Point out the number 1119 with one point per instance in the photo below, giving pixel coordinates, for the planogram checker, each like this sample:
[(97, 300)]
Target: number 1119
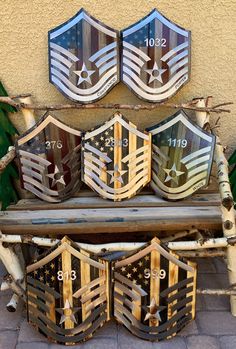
[(179, 143)]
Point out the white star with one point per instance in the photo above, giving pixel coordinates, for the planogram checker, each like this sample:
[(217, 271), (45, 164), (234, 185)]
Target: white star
[(154, 311), (67, 312), (84, 74), (118, 176), (172, 174), (155, 73), (56, 177)]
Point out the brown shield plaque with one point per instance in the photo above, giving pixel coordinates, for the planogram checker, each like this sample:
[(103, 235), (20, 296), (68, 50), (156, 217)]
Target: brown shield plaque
[(116, 159), (66, 293), (182, 155), (49, 158), (155, 57), (83, 58), (154, 292)]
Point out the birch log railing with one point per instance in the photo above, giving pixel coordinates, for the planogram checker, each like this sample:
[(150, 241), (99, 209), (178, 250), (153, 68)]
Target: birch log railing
[(197, 247)]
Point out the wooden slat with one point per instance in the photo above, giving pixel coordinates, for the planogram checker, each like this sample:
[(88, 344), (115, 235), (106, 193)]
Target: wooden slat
[(145, 200), (108, 215), (193, 293), (173, 279), (85, 280), (110, 220), (67, 285), (155, 282)]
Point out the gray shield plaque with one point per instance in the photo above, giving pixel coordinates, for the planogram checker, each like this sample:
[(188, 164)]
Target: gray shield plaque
[(155, 57), (83, 58), (182, 156)]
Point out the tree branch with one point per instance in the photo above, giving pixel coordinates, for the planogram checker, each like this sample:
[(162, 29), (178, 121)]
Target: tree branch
[(188, 106), (6, 159)]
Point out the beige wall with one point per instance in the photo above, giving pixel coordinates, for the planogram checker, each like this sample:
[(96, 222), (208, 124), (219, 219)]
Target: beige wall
[(24, 62)]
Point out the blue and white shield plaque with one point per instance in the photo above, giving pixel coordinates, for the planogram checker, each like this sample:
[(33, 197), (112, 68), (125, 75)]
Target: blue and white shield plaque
[(155, 57), (83, 58)]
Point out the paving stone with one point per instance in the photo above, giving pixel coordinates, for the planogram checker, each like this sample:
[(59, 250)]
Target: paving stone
[(8, 339), (32, 345), (212, 281), (4, 299), (28, 334), (220, 265), (175, 343), (3, 270), (205, 265), (10, 321), (108, 330), (217, 303), (202, 342), (200, 302), (126, 340), (228, 342), (214, 302), (100, 343), (189, 330), (216, 323)]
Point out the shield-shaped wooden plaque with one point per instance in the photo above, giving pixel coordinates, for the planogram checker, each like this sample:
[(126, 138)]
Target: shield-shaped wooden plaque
[(155, 57), (49, 157), (154, 292), (182, 155), (116, 159), (83, 58), (66, 293)]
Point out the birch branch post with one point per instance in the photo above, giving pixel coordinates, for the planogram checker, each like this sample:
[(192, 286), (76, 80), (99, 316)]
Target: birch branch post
[(227, 203)]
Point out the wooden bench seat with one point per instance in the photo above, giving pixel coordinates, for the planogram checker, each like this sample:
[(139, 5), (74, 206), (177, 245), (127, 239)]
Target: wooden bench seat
[(89, 214)]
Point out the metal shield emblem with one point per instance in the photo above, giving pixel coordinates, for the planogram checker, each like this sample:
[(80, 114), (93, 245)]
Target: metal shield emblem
[(83, 58), (66, 293), (155, 57), (49, 158), (154, 292), (181, 158), (116, 159)]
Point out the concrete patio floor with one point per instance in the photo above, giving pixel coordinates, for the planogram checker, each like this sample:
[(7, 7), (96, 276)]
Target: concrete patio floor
[(213, 328)]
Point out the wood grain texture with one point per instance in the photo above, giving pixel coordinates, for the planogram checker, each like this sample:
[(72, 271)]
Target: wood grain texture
[(116, 159), (66, 296), (155, 57), (49, 159), (154, 292), (83, 58), (182, 157)]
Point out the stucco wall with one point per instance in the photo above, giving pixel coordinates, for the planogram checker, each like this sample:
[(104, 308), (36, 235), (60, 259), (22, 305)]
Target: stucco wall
[(24, 58)]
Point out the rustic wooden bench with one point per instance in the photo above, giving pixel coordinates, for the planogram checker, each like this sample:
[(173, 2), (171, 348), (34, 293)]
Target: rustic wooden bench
[(87, 215), (198, 221)]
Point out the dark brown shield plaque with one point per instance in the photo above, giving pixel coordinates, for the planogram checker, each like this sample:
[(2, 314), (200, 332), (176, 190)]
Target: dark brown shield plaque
[(49, 158), (66, 293), (83, 58), (116, 159), (154, 292), (182, 155), (155, 57)]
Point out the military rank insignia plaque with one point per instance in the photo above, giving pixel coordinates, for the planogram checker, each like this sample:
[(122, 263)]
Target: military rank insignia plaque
[(49, 156), (182, 155), (154, 292), (67, 293), (116, 159), (83, 58), (155, 57)]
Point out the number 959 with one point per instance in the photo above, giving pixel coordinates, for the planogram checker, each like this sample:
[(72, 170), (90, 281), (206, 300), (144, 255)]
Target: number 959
[(154, 274)]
